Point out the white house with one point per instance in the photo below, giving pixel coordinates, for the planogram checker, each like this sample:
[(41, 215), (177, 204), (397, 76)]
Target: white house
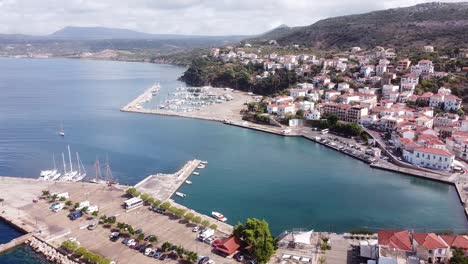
[(451, 102), (272, 108), (285, 109), (331, 94), (343, 86), (432, 158), (314, 114), (298, 92)]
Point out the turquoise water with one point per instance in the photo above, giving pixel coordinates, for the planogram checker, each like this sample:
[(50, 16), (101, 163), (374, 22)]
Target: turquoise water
[(291, 182), (22, 254)]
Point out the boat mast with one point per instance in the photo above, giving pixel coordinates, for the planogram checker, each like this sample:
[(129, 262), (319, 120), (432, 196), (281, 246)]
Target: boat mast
[(78, 163), (69, 157), (64, 165), (81, 164), (108, 171), (53, 158), (98, 169)]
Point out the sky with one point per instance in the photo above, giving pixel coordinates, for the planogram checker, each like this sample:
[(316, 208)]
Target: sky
[(197, 17)]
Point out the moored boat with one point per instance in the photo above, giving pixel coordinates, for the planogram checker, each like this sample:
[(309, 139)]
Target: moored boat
[(196, 173), (219, 216), (181, 194), (188, 182)]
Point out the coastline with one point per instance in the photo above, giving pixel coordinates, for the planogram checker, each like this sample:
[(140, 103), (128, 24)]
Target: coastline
[(405, 170)]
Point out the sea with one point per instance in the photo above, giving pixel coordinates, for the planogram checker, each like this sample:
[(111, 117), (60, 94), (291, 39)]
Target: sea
[(290, 182)]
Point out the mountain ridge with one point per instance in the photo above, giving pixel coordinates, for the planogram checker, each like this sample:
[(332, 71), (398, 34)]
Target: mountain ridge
[(441, 24)]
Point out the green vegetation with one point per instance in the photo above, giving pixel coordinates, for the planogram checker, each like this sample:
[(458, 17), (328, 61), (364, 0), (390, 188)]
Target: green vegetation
[(166, 205), (83, 253), (133, 192), (262, 118), (69, 246), (204, 71), (361, 231), (205, 223), (189, 216), (45, 193), (458, 257), (256, 233), (214, 226), (343, 128), (197, 220)]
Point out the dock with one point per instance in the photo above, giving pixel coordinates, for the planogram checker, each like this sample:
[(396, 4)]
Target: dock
[(163, 186)]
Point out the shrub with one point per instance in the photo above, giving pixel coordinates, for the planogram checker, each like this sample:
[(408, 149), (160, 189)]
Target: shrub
[(45, 193), (69, 246), (166, 245), (205, 223), (197, 219), (153, 239), (157, 203), (189, 216), (214, 226), (166, 205), (68, 203), (81, 251), (141, 236), (62, 199)]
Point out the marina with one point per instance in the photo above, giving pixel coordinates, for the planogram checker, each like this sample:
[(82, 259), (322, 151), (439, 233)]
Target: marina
[(142, 144)]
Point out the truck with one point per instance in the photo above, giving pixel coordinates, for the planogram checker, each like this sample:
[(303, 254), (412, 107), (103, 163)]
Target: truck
[(206, 234)]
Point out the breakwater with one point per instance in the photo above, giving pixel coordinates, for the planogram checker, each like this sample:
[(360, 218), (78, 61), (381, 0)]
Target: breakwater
[(49, 252)]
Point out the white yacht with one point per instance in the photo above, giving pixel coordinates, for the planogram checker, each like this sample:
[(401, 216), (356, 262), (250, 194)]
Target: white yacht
[(188, 182), (50, 174), (181, 194), (219, 216)]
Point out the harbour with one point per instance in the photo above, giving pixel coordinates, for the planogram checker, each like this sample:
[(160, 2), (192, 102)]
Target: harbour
[(139, 145)]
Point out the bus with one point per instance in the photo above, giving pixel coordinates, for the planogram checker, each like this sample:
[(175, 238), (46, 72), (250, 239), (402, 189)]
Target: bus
[(133, 203)]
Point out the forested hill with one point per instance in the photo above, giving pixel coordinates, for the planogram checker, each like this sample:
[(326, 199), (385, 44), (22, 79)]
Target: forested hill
[(437, 24), (207, 71)]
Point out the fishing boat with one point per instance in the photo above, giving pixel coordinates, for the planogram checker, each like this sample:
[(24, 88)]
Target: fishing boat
[(196, 173), (201, 166), (204, 162), (188, 182), (218, 216), (181, 194)]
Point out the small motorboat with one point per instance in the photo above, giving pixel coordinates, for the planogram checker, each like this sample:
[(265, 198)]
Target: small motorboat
[(188, 182), (183, 195), (204, 162), (196, 173), (219, 216), (201, 166)]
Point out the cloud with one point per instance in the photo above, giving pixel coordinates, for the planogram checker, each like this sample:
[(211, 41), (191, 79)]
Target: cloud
[(201, 17)]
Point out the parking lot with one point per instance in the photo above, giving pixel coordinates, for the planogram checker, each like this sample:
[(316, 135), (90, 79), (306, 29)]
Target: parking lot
[(58, 227)]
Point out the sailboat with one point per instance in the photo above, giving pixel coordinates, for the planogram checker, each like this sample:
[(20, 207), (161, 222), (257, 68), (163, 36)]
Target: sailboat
[(109, 179), (68, 176), (98, 179), (81, 170), (50, 174), (61, 132)]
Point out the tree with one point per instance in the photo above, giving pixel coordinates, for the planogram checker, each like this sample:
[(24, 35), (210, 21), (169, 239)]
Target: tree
[(166, 205), (192, 257), (120, 225), (189, 216), (76, 205), (95, 213), (69, 246), (458, 257), (145, 197), (62, 199), (141, 236), (150, 200), (197, 220), (166, 245), (256, 233), (205, 223), (54, 197), (214, 226), (332, 120), (68, 203), (157, 203), (300, 113), (131, 191), (153, 239), (45, 193), (130, 229), (180, 212), (81, 251)]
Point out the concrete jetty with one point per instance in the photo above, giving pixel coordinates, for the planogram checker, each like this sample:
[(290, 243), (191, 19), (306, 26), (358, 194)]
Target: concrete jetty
[(163, 186)]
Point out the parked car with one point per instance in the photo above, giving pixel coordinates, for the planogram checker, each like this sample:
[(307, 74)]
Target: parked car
[(209, 240), (196, 229), (239, 256), (131, 242), (203, 260), (163, 257), (93, 225), (135, 245), (75, 215), (114, 236), (148, 251), (125, 241), (151, 254), (149, 237), (157, 255), (138, 231)]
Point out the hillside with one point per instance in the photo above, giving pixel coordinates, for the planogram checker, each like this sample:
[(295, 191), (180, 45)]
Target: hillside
[(438, 24)]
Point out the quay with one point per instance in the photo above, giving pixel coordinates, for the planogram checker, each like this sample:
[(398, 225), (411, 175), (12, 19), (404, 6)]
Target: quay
[(163, 186)]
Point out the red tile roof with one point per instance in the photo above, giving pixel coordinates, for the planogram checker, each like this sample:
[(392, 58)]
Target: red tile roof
[(230, 245), (456, 241), (429, 241), (435, 151), (398, 239)]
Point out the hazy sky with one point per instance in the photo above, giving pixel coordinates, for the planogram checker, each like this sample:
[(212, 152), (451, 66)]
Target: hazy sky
[(201, 17)]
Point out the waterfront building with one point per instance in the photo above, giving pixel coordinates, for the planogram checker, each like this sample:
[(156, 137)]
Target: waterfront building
[(431, 158), (344, 112)]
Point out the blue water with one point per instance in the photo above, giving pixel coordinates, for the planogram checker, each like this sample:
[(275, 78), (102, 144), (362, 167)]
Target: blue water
[(7, 232), (22, 254), (291, 182)]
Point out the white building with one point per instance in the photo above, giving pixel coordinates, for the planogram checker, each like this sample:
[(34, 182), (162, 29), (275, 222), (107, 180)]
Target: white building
[(298, 92), (432, 158), (314, 114)]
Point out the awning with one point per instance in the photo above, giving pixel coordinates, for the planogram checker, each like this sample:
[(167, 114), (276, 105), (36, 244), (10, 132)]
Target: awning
[(303, 238)]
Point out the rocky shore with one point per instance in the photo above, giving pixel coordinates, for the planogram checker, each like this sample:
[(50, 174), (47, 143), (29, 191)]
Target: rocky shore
[(50, 253)]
